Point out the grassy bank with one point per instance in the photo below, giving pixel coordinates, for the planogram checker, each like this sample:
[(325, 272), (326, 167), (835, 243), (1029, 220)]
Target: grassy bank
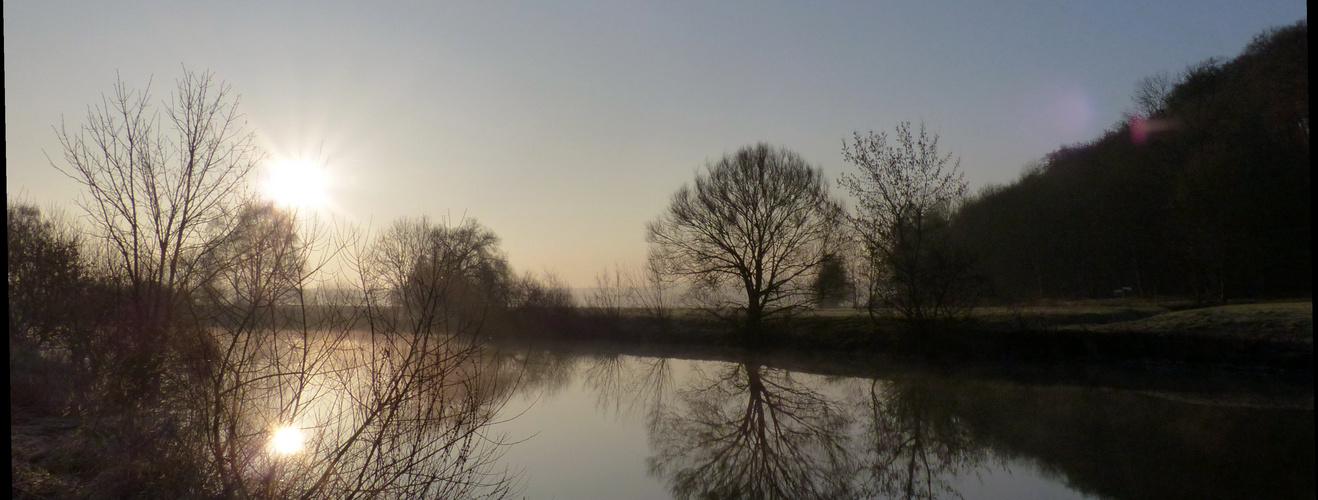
[(1274, 337), (1236, 359)]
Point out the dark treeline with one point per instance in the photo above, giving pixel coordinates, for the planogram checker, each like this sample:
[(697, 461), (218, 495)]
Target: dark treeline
[(1204, 192)]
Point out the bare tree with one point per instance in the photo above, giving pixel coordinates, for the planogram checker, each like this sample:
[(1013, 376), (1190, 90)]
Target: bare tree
[(647, 290), (654, 291), (47, 278), (260, 353), (612, 292), (442, 276), (255, 261), (1151, 93), (906, 195), (155, 183), (397, 410), (545, 295), (397, 396), (760, 220), (158, 179)]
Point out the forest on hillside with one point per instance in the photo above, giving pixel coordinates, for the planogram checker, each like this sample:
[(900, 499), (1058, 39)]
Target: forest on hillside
[(1202, 192)]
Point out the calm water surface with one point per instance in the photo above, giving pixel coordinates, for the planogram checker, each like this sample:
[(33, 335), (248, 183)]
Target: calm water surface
[(634, 427)]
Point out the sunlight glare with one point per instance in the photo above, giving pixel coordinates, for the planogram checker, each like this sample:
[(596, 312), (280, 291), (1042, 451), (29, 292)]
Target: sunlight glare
[(296, 183), (286, 440)]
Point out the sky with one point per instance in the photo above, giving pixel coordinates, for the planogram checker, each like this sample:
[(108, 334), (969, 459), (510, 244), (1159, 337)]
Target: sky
[(566, 126)]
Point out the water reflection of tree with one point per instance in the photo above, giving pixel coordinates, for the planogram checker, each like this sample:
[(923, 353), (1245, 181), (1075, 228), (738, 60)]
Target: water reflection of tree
[(627, 385), (749, 431), (1121, 444), (534, 372), (752, 432), (912, 441), (396, 410)]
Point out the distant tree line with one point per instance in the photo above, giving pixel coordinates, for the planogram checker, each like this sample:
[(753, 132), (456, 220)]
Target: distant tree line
[(1203, 192)]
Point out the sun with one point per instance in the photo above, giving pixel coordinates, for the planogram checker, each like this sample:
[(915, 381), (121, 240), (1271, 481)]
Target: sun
[(296, 184), (286, 440)]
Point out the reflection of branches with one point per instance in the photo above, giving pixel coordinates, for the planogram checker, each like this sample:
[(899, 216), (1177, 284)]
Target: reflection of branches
[(752, 433), (913, 442), (396, 411), (415, 397), (408, 422), (629, 384), (257, 349), (537, 372)]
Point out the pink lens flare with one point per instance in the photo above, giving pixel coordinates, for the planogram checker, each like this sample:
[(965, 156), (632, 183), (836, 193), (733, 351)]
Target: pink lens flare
[(1141, 128)]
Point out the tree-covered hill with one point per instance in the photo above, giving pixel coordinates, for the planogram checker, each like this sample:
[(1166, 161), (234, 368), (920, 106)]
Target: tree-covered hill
[(1206, 196)]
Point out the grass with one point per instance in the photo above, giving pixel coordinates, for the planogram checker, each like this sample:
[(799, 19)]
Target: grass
[(40, 434), (1283, 321), (1275, 322), (1269, 336)]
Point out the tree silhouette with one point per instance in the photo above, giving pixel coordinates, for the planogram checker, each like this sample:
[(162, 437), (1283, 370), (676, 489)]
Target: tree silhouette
[(761, 220), (157, 182), (906, 196), (153, 190), (47, 279), (832, 285), (442, 276)]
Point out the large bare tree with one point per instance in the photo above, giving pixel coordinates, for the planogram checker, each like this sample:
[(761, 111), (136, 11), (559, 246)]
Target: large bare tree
[(157, 177), (761, 220)]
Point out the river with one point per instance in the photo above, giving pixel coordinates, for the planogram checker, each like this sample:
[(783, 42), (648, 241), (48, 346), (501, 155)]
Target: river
[(617, 426)]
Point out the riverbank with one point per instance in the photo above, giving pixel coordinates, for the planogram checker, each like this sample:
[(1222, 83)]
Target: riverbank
[(1264, 337)]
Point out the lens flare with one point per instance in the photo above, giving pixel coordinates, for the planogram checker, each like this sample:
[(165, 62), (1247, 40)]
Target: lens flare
[(1070, 111), (1141, 128)]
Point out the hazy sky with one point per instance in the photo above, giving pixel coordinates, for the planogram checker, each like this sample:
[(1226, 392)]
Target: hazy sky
[(565, 126)]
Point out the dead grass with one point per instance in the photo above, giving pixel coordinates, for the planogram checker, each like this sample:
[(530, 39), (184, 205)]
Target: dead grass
[(1039, 317), (1285, 322), (1281, 322)]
